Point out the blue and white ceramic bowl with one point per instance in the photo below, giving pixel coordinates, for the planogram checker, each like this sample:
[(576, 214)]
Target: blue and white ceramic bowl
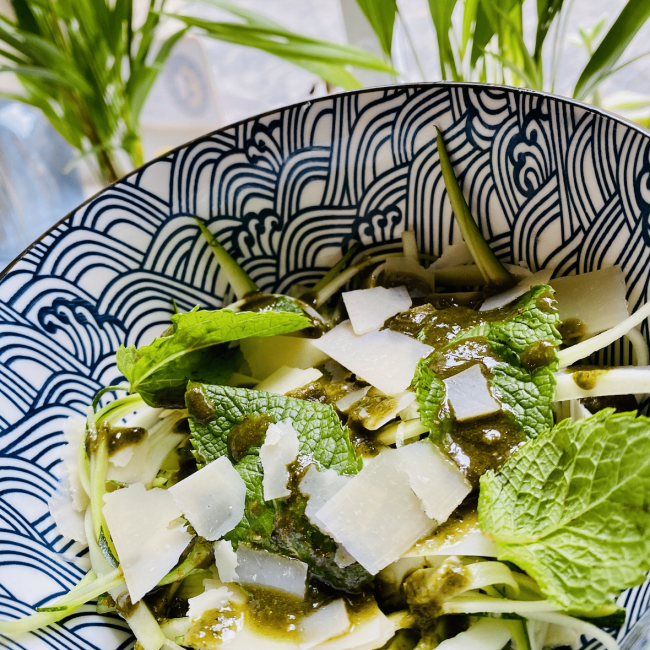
[(552, 182)]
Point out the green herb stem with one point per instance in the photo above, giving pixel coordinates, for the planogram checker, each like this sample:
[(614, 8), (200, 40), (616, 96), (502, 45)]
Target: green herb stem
[(491, 268), (89, 588), (239, 280)]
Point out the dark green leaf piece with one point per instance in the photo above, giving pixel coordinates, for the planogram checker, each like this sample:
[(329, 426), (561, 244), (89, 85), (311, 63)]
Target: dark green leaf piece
[(572, 509), (192, 351)]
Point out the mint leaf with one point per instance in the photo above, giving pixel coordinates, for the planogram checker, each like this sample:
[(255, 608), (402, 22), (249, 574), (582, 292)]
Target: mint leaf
[(160, 371), (527, 395), (430, 395), (521, 342), (217, 412), (321, 436), (534, 317), (572, 509)]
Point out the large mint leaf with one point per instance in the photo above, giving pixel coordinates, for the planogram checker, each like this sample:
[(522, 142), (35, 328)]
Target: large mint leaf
[(321, 436), (279, 526), (160, 371), (572, 509), (534, 317), (529, 396)]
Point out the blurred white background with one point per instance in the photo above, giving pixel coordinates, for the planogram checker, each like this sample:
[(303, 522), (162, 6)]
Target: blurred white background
[(207, 84)]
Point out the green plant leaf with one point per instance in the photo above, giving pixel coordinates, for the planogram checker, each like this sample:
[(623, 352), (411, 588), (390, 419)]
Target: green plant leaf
[(632, 17), (441, 14), (547, 10), (381, 16), (287, 44), (160, 370), (572, 509), (524, 339)]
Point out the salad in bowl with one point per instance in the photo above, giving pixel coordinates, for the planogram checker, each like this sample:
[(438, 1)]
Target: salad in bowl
[(413, 453)]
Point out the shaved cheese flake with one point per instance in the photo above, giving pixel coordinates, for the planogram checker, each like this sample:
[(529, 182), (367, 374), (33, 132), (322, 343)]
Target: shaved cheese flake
[(369, 309), (434, 478), (212, 499), (351, 398), (69, 502), (342, 558), (122, 457), (376, 516), (325, 623), (469, 394), (453, 255), (266, 354), (385, 359), (148, 548), (266, 569), (320, 487), (576, 295), (286, 379), (73, 432), (280, 449), (506, 297), (225, 559), (212, 598), (373, 630), (68, 520)]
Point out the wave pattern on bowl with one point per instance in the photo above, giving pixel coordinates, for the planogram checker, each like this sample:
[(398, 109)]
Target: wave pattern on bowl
[(551, 183)]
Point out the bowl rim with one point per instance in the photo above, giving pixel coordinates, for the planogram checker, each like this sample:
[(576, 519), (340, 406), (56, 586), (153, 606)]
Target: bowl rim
[(594, 110)]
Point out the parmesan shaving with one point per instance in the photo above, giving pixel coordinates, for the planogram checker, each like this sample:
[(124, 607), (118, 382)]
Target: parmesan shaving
[(266, 569), (376, 516), (435, 479), (469, 394), (212, 499), (280, 449), (325, 623), (286, 379), (369, 309), (148, 548), (225, 560), (385, 359), (214, 597)]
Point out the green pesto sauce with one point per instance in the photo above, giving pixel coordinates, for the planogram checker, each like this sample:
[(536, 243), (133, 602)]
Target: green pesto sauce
[(483, 444), (427, 589), (572, 328), (537, 355), (250, 432), (587, 378), (199, 404), (270, 613), (461, 355), (120, 437), (461, 522)]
